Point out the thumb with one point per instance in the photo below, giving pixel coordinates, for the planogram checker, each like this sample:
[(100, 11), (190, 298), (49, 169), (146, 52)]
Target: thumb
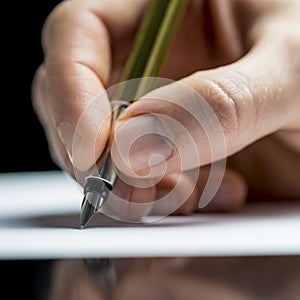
[(208, 115)]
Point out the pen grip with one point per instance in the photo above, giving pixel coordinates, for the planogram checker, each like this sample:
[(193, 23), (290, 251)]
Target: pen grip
[(107, 172)]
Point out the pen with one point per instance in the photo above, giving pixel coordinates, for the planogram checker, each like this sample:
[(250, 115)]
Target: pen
[(147, 56)]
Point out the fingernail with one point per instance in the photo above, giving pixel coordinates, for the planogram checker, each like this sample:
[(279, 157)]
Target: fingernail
[(143, 142), (70, 139)]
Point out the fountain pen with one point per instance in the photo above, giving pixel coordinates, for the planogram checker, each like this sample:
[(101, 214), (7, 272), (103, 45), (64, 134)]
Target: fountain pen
[(146, 58), (97, 188)]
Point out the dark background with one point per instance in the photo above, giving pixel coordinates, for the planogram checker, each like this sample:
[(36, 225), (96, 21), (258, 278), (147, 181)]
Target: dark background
[(23, 146), (23, 143)]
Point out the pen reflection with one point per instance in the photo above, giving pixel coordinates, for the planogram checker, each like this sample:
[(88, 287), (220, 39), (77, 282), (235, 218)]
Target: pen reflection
[(264, 278)]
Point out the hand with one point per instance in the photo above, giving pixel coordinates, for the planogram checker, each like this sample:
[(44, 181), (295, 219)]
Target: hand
[(242, 57)]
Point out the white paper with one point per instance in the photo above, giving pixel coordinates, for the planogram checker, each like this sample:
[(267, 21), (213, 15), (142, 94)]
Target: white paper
[(39, 218)]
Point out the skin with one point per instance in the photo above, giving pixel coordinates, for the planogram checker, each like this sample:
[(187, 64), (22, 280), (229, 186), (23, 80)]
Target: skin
[(244, 61)]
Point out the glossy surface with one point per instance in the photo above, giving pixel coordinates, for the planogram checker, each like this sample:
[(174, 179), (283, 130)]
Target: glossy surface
[(240, 278)]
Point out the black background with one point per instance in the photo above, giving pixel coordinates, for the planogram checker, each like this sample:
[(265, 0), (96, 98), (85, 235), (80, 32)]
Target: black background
[(23, 143), (23, 146)]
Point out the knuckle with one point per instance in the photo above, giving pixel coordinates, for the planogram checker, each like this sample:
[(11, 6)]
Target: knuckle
[(50, 21), (53, 21), (228, 98)]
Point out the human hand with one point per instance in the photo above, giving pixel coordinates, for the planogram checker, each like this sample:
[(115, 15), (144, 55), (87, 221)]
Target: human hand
[(253, 95)]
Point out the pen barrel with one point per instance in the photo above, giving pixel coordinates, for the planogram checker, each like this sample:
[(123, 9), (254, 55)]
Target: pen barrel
[(107, 172), (166, 23)]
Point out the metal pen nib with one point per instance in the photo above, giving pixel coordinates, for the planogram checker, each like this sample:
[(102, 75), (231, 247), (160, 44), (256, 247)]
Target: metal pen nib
[(91, 203), (96, 192), (97, 189)]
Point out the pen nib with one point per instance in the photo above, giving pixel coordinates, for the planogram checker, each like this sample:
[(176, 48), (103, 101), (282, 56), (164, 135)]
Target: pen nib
[(96, 191), (90, 205), (87, 211)]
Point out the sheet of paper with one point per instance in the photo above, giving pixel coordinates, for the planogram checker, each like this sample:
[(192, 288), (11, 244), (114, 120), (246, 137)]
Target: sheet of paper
[(39, 218)]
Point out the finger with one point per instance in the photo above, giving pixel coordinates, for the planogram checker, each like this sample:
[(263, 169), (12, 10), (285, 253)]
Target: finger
[(128, 203), (245, 101), (56, 148), (177, 194), (230, 196), (77, 63)]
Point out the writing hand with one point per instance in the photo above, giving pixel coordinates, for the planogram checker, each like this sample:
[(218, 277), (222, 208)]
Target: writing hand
[(241, 57)]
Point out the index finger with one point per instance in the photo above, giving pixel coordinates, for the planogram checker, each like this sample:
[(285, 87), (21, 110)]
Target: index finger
[(76, 41)]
